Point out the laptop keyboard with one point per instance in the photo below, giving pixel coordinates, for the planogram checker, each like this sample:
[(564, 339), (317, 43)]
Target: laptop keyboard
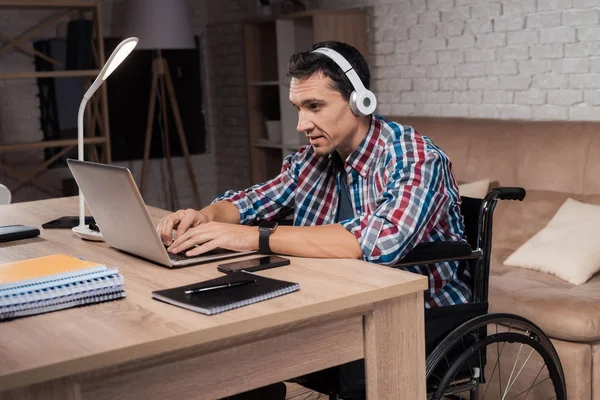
[(178, 256), (182, 256)]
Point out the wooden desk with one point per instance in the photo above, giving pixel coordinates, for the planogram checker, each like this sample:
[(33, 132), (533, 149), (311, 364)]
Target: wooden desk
[(139, 348)]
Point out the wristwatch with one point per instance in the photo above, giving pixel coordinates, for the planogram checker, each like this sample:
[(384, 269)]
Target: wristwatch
[(265, 229)]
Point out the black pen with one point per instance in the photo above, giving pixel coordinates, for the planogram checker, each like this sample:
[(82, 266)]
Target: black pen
[(225, 285)]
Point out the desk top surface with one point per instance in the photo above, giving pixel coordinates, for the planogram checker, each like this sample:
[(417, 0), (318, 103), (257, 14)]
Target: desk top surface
[(87, 338)]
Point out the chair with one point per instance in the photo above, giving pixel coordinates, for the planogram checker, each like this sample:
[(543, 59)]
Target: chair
[(468, 350), (5, 196)]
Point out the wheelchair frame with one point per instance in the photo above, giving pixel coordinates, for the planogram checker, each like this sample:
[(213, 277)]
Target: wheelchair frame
[(480, 274), (479, 263)]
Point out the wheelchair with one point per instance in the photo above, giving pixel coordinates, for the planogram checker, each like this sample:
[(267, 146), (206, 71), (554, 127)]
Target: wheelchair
[(470, 354)]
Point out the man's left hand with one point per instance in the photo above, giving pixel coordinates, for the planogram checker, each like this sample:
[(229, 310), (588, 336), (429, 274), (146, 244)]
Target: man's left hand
[(212, 235)]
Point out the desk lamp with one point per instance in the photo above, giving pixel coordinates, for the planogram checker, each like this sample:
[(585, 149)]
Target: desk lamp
[(115, 59)]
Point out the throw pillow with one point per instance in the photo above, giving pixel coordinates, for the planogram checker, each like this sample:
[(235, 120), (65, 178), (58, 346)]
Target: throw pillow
[(568, 246)]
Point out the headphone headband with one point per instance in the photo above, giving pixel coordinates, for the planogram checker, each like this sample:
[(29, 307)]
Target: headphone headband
[(362, 101), (344, 65)]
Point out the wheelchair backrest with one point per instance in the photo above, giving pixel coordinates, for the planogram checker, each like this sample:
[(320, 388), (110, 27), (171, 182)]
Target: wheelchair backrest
[(470, 208)]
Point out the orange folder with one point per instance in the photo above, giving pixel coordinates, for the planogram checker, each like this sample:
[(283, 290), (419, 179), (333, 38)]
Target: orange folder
[(42, 267)]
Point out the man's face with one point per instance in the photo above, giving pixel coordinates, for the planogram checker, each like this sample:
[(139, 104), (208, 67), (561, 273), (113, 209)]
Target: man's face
[(323, 115)]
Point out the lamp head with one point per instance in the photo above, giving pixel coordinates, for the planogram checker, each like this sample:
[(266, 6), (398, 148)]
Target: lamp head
[(118, 55), (116, 58)]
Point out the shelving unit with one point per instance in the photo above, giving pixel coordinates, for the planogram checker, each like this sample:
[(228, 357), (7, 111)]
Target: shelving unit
[(269, 43), (97, 124)]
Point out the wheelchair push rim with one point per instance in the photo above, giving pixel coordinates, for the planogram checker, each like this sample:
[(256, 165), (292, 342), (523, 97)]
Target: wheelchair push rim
[(463, 359)]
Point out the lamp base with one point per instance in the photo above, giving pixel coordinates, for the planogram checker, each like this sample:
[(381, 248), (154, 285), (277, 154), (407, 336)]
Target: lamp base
[(86, 233)]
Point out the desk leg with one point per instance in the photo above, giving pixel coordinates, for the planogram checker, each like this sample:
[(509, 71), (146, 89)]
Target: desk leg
[(60, 389), (395, 349)]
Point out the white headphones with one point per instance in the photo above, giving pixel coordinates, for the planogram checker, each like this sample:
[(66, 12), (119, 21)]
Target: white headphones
[(362, 101)]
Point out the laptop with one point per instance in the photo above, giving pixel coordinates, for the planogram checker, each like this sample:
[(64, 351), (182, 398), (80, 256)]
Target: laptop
[(121, 214)]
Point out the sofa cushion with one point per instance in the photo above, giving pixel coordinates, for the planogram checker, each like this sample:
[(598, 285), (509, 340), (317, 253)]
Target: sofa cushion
[(562, 310), (574, 310), (475, 190), (568, 247)]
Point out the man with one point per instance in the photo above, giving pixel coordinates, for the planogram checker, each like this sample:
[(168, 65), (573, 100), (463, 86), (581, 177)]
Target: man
[(364, 188)]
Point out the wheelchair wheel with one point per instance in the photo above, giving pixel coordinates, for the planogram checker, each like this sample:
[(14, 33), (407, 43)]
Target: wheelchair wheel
[(495, 356)]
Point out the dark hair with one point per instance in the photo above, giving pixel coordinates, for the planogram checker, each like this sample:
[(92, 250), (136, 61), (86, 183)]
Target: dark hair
[(305, 64)]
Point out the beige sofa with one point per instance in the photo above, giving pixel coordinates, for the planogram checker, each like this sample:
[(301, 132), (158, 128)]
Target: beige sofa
[(553, 161)]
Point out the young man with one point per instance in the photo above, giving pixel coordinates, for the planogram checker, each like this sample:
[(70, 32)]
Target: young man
[(363, 188)]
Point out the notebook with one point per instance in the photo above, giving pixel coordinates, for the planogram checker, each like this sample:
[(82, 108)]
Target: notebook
[(34, 270), (220, 300), (33, 295), (55, 282), (58, 305)]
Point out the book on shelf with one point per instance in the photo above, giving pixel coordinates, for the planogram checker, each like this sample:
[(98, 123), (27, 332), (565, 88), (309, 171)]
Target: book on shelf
[(43, 284)]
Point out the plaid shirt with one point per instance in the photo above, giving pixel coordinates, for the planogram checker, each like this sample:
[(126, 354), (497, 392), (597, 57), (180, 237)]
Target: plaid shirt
[(403, 192)]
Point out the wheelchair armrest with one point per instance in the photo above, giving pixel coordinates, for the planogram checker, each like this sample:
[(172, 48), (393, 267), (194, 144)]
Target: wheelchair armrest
[(434, 252)]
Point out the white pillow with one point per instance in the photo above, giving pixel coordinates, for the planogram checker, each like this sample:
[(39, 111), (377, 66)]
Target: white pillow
[(476, 190), (568, 247)]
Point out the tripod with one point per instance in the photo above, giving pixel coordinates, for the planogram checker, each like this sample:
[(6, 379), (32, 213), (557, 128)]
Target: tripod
[(162, 77)]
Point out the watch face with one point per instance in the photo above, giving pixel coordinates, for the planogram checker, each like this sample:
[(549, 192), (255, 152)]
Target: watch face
[(268, 224)]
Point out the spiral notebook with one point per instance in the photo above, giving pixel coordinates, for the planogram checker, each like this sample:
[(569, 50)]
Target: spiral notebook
[(61, 303), (84, 287), (42, 269), (220, 300), (43, 284)]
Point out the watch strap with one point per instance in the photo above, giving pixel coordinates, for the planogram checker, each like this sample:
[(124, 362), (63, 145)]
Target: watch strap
[(263, 240)]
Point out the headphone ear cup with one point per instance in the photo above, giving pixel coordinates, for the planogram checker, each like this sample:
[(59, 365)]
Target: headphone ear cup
[(366, 102), (354, 104), (363, 103)]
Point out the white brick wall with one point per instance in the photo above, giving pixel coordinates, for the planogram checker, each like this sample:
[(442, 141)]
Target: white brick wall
[(20, 113), (533, 59)]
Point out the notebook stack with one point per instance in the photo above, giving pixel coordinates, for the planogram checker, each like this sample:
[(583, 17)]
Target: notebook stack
[(55, 282)]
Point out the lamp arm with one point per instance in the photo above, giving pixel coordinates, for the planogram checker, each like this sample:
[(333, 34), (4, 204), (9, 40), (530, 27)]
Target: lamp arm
[(92, 89), (80, 153)]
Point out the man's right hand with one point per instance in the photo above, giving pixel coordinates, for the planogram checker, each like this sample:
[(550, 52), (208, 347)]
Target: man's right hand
[(181, 220)]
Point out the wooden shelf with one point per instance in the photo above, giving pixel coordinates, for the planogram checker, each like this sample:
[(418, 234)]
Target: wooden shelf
[(306, 14), (294, 146), (50, 74), (48, 3), (264, 83), (50, 143), (96, 116), (268, 44), (264, 143)]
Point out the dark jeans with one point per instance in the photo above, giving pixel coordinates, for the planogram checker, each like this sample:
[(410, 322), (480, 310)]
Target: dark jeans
[(271, 392)]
